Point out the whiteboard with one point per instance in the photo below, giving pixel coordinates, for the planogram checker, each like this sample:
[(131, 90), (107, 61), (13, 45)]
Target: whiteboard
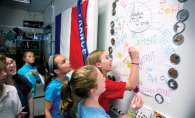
[(180, 103)]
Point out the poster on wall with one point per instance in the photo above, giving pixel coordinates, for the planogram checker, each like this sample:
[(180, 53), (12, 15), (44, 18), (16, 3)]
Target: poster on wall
[(149, 26)]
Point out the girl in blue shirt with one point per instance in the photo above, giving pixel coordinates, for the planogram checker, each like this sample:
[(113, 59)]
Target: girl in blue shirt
[(57, 67), (88, 83), (30, 71)]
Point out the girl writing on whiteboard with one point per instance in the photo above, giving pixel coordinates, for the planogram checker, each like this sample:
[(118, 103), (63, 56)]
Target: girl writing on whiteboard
[(30, 71), (88, 83), (114, 90), (57, 68)]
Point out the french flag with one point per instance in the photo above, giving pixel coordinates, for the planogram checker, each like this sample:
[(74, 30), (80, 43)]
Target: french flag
[(67, 37)]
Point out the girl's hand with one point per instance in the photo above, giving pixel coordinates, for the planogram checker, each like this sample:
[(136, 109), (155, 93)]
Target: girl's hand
[(137, 104), (34, 72), (134, 54), (23, 114)]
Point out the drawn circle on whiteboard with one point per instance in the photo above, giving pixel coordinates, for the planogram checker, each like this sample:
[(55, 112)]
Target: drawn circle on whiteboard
[(174, 58), (113, 12), (112, 24), (173, 73), (159, 98), (181, 1), (182, 15), (110, 50), (112, 41), (139, 17), (162, 78), (114, 5), (178, 39), (112, 31), (172, 84), (179, 27)]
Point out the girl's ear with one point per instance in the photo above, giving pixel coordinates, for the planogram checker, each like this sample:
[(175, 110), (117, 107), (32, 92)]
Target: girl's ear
[(56, 71), (92, 91), (98, 64)]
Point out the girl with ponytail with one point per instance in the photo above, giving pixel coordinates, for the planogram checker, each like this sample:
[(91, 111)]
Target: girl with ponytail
[(55, 76)]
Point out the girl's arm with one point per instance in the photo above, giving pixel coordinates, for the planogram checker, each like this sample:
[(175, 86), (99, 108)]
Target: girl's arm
[(135, 105), (134, 71), (30, 104), (47, 108), (36, 74), (18, 116)]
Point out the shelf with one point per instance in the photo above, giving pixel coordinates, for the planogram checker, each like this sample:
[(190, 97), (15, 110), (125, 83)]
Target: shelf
[(36, 46), (28, 40), (27, 49)]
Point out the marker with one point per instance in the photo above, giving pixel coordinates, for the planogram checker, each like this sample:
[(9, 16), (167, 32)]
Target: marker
[(134, 102)]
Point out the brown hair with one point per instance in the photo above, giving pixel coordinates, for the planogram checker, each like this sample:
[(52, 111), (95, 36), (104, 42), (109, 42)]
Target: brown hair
[(25, 53), (94, 57), (2, 58), (67, 99), (19, 79), (81, 82), (48, 77)]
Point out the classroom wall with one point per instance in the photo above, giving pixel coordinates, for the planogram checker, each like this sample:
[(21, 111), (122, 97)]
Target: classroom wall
[(13, 17), (182, 99)]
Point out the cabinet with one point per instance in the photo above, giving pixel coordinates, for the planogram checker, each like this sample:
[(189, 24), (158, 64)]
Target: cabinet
[(35, 46)]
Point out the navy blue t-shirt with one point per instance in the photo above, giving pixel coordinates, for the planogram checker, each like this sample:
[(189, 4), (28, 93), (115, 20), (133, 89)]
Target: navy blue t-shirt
[(22, 96)]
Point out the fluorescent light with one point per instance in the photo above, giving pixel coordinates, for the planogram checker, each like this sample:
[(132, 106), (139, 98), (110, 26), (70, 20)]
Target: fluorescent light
[(24, 1)]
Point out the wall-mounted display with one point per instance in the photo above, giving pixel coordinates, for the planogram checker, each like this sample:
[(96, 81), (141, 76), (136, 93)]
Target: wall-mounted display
[(182, 15), (178, 39)]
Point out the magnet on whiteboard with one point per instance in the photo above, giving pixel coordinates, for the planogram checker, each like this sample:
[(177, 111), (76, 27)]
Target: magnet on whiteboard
[(175, 59), (181, 1), (179, 27), (173, 73), (182, 15), (172, 84), (178, 39), (110, 50), (114, 5), (159, 98), (112, 24), (113, 12), (112, 31), (112, 41)]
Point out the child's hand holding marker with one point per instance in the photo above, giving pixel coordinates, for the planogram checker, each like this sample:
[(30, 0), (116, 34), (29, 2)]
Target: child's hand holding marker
[(136, 103)]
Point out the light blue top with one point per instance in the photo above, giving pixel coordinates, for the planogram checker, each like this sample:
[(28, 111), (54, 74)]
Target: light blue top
[(91, 112), (52, 93), (25, 70)]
